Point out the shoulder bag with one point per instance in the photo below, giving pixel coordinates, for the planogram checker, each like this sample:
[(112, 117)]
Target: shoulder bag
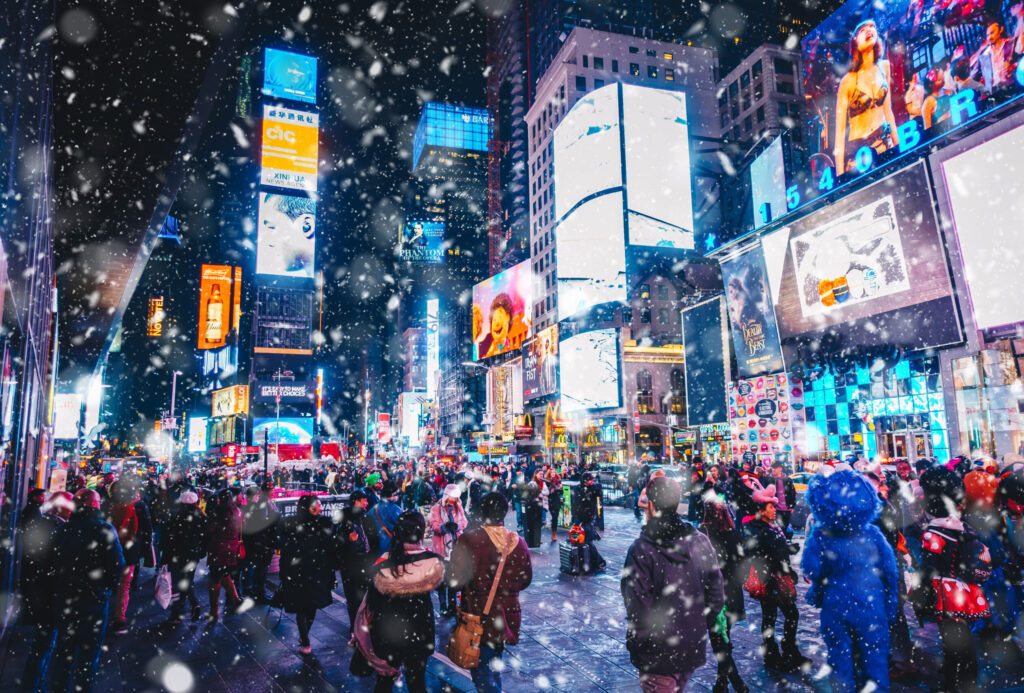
[(464, 643)]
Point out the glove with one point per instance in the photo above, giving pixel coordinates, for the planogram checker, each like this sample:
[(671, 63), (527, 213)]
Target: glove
[(451, 527)]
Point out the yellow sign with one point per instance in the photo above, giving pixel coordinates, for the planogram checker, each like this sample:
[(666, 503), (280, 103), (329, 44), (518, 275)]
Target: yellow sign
[(290, 148), (231, 400)]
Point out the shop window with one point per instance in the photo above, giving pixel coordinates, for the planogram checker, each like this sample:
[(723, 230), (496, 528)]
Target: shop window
[(644, 392)]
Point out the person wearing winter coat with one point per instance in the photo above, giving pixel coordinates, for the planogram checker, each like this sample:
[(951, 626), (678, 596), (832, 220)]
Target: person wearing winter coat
[(130, 516), (672, 589), (87, 562), (183, 546), (586, 507), (402, 625), (384, 515), (766, 550), (447, 522), (309, 556), (854, 580), (720, 529), (356, 556), (224, 551), (259, 536), (474, 565), (554, 485)]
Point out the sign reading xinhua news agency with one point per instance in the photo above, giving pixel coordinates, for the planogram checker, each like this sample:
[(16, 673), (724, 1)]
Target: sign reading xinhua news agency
[(290, 392)]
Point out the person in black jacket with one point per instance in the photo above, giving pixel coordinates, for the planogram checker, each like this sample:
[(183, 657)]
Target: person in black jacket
[(720, 528), (87, 562), (588, 496), (260, 538), (183, 546), (356, 558), (309, 557)]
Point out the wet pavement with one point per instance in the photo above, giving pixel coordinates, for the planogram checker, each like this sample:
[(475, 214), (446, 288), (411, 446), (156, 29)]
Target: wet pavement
[(573, 639)]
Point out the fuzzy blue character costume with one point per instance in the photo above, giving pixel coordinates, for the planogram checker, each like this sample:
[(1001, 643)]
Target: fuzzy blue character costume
[(854, 579)]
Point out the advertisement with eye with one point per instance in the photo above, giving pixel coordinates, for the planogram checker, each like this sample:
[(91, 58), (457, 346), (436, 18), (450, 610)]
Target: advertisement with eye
[(286, 241)]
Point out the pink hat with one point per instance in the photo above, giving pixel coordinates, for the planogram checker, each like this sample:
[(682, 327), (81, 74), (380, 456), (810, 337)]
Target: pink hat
[(765, 495)]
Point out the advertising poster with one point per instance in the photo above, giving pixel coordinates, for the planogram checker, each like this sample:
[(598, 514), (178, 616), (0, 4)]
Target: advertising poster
[(231, 400), (290, 391), (869, 269), (767, 420), (590, 247), (383, 429), (289, 75), (291, 431), (67, 411), (197, 434), (755, 335), (422, 242), (286, 241), (499, 401), (503, 311), (540, 364), (768, 184), (706, 344), (586, 149), (874, 73), (214, 306), (589, 371), (290, 147)]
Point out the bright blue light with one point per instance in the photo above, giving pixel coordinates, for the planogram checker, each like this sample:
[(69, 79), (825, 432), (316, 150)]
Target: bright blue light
[(289, 75), (448, 125)]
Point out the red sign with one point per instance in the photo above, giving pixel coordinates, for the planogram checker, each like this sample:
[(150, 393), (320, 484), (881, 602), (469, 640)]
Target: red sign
[(636, 422), (383, 429)]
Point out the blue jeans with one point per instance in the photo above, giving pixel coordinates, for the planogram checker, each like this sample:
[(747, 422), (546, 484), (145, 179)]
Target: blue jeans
[(486, 679), (80, 632)]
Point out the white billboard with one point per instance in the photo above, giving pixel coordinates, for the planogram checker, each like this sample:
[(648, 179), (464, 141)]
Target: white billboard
[(768, 184), (591, 253), (286, 241), (586, 149), (67, 411), (197, 431), (589, 371)]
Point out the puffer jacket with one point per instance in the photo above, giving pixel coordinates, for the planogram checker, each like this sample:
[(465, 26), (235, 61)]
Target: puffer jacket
[(402, 614)]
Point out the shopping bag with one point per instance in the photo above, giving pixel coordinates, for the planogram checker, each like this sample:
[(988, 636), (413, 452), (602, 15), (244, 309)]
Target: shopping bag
[(163, 591)]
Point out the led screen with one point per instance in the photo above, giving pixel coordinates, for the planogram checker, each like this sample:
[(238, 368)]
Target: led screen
[(214, 306), (197, 434), (422, 242), (289, 75), (290, 148), (589, 371), (706, 345), (450, 125), (882, 75), (586, 149), (768, 184), (293, 430), (540, 364), (67, 412), (591, 254), (383, 429), (411, 404), (502, 311), (869, 269), (286, 241), (433, 345), (657, 154), (985, 207), (755, 335)]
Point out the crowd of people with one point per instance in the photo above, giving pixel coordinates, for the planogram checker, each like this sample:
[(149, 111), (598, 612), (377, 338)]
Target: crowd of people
[(944, 537)]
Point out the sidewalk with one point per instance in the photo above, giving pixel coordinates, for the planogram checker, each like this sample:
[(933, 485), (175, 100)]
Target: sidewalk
[(573, 639)]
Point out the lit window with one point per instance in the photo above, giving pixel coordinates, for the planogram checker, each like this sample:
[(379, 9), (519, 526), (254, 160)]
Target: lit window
[(634, 69), (668, 56), (670, 74), (652, 71)]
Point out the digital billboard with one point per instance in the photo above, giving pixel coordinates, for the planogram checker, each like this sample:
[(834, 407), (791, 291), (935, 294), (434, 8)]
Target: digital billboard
[(869, 269), (286, 241), (290, 148), (755, 335), (421, 242), (433, 345), (499, 401), (589, 371), (587, 149), (197, 431), (67, 412), (591, 255), (986, 198), (706, 344), (540, 364), (410, 405), (293, 430), (881, 78), (289, 75), (503, 311), (768, 184), (214, 306), (451, 125), (232, 400), (290, 391), (383, 429)]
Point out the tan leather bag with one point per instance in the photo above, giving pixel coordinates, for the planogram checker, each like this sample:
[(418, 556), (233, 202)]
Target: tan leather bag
[(464, 643)]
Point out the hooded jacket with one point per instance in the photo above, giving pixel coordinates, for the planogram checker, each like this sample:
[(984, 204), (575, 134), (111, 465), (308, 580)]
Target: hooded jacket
[(87, 560), (671, 586), (309, 556), (402, 614)]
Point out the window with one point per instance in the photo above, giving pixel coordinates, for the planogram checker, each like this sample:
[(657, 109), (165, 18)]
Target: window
[(744, 78), (735, 109), (783, 67), (634, 69), (725, 120), (758, 91), (662, 292), (735, 133), (615, 66), (598, 83), (748, 125), (677, 401), (784, 87), (760, 114), (667, 56), (670, 74), (598, 63), (627, 315), (645, 315), (652, 71), (663, 316), (651, 53), (644, 392), (734, 90), (756, 69), (794, 110), (581, 84), (783, 110), (634, 49), (585, 64), (645, 291)]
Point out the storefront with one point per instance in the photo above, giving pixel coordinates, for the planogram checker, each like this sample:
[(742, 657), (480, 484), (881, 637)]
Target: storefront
[(990, 400), (714, 443), (603, 441), (686, 442)]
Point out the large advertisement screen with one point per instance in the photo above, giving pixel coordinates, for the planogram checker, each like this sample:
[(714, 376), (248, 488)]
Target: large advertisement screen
[(985, 207), (214, 306), (503, 311), (232, 400), (589, 371), (755, 335), (881, 76), (286, 242), (706, 345), (422, 242), (67, 412), (383, 429), (869, 269), (293, 430), (586, 149), (657, 154), (768, 184), (197, 431), (433, 345), (540, 364), (410, 407), (289, 75), (591, 254), (290, 148)]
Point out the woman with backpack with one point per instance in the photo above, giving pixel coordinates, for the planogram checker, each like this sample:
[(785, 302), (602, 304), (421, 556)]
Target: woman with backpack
[(309, 556), (224, 551)]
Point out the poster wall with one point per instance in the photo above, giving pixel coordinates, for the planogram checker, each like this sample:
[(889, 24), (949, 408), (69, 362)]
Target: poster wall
[(755, 336), (503, 311), (767, 418), (540, 364), (286, 241), (290, 148)]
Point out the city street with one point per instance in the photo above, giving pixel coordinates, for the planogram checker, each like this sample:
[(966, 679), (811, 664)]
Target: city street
[(573, 639)]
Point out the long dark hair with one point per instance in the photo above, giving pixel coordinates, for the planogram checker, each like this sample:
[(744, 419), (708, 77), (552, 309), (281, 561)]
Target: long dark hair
[(855, 58), (409, 529), (306, 502)]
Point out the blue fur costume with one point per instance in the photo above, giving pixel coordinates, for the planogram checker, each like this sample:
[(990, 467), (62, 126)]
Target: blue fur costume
[(854, 579)]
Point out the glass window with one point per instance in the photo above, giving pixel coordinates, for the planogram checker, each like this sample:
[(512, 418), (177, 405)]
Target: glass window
[(663, 316), (581, 84), (598, 63), (758, 91), (748, 125), (760, 114), (784, 87), (645, 291), (668, 56), (734, 89), (615, 66), (651, 53), (627, 315), (634, 49), (756, 69), (744, 78), (645, 315), (585, 63), (783, 111), (725, 120), (736, 132), (670, 74), (644, 392), (783, 67), (652, 71), (634, 69), (662, 292), (598, 83)]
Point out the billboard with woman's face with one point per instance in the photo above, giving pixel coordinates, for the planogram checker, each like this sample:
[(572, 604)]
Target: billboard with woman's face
[(503, 311)]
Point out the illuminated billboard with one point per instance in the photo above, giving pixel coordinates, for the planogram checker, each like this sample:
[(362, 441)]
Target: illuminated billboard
[(433, 345), (290, 148), (214, 306), (292, 430), (768, 184), (589, 371), (286, 242), (231, 400), (503, 311), (289, 75), (67, 412), (755, 336), (706, 362), (869, 268), (155, 317), (591, 255), (587, 149), (197, 431), (383, 429), (421, 242), (410, 405), (540, 364), (451, 125)]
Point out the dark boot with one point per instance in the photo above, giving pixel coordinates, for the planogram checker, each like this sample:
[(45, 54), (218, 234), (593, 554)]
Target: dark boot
[(791, 657), (772, 658), (214, 592)]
